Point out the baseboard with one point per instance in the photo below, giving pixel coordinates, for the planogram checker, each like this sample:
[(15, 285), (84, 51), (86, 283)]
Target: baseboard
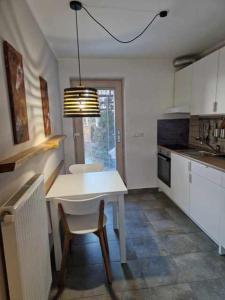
[(144, 190)]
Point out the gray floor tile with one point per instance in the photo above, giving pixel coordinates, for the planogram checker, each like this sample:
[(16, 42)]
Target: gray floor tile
[(209, 290), (145, 196), (155, 203), (87, 280), (180, 218), (172, 292), (139, 231), (172, 227), (156, 214), (176, 214), (204, 243), (71, 295), (166, 227), (199, 266), (130, 206), (147, 247), (159, 270), (144, 294), (136, 217), (176, 244)]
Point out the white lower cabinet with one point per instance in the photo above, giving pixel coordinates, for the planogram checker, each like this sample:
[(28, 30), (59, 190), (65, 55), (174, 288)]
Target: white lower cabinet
[(222, 219), (222, 227), (200, 192), (180, 181), (206, 200)]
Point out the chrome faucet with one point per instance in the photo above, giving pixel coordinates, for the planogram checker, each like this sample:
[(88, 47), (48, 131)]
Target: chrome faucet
[(200, 139)]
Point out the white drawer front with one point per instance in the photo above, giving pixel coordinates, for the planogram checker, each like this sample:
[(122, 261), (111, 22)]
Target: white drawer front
[(207, 172)]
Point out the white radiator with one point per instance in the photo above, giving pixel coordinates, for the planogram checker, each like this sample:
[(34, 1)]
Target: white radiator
[(26, 243)]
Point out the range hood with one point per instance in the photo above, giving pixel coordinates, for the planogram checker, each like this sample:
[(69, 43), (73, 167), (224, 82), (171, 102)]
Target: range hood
[(181, 109)]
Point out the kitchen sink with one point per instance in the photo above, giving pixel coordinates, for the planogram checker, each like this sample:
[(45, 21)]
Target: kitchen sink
[(204, 153), (207, 153)]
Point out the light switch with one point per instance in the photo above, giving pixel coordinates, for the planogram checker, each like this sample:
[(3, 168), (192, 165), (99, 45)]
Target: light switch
[(138, 134)]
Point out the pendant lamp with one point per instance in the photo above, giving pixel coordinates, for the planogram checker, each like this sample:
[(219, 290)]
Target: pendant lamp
[(80, 101)]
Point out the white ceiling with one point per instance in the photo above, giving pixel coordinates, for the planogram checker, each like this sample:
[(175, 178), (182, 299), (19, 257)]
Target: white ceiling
[(191, 26)]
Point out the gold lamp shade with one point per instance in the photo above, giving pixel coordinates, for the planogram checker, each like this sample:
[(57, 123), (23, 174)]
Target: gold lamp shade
[(81, 101)]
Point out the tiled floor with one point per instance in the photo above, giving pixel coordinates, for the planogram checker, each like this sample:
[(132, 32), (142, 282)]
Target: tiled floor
[(169, 258)]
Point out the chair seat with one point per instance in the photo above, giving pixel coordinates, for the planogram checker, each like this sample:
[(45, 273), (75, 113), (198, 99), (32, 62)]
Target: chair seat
[(84, 224)]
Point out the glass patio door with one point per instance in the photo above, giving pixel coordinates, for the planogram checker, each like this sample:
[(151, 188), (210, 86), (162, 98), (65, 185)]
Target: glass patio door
[(100, 139)]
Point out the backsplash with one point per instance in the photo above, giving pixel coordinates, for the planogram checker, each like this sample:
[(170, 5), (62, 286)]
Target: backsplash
[(204, 128), (173, 131)]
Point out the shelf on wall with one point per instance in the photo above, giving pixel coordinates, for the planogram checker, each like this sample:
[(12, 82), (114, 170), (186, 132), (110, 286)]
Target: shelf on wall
[(12, 163)]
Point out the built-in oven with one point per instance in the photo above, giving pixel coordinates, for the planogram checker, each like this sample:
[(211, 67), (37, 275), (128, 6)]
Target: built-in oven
[(164, 166), (172, 134)]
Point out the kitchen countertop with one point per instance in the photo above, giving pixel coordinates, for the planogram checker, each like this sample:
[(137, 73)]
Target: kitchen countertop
[(210, 161)]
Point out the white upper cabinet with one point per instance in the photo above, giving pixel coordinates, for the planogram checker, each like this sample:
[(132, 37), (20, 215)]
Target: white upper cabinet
[(204, 85), (183, 87), (221, 83)]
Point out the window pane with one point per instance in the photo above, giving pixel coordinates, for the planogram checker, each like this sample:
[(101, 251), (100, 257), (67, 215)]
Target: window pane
[(99, 133)]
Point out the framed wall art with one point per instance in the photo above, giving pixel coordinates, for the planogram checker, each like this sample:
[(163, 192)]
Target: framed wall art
[(17, 95), (45, 106)]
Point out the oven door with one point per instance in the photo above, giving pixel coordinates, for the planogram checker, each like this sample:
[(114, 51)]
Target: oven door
[(164, 164)]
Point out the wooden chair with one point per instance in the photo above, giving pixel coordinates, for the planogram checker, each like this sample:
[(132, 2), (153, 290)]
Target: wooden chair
[(83, 216), (85, 168)]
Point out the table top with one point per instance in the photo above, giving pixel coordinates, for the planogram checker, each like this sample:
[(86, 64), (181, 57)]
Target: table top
[(87, 184)]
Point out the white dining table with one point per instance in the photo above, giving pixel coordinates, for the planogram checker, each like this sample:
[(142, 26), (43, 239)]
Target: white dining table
[(89, 184)]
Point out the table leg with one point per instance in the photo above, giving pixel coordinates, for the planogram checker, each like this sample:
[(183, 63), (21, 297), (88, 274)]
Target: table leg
[(122, 236), (115, 214), (56, 234)]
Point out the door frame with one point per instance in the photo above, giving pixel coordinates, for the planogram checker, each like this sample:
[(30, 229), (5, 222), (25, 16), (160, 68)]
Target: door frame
[(117, 84)]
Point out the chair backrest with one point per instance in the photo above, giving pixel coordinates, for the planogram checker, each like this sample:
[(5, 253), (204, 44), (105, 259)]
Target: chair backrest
[(80, 205), (85, 168)]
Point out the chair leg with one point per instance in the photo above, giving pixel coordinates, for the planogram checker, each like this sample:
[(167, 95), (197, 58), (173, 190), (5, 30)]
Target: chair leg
[(105, 256), (106, 239), (66, 246)]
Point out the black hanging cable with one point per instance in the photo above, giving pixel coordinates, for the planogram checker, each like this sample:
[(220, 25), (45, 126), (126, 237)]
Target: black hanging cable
[(161, 14), (78, 47)]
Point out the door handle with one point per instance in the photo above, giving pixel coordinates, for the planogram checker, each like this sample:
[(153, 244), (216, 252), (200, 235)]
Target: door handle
[(118, 135), (76, 135)]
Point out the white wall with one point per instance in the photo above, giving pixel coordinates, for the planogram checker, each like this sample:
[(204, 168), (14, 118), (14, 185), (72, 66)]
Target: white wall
[(19, 28), (148, 90)]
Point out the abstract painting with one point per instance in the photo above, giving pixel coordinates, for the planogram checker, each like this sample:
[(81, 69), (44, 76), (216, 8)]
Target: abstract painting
[(45, 106), (16, 90)]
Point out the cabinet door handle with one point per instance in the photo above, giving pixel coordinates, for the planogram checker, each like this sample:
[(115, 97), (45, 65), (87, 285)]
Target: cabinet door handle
[(215, 106), (189, 166), (190, 178)]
